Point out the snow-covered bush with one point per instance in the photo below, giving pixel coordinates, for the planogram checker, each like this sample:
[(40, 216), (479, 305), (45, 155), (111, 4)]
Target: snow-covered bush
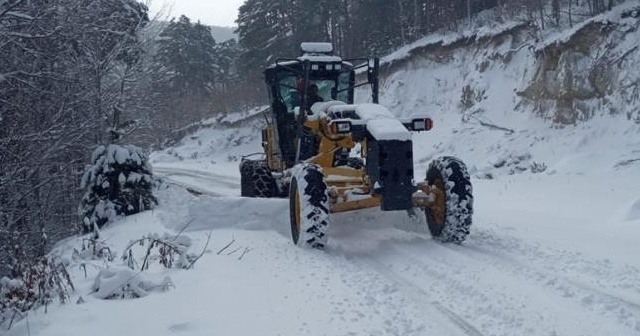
[(33, 285), (93, 249), (124, 283), (118, 183), (168, 251)]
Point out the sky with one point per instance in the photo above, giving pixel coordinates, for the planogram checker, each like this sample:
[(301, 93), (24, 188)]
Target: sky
[(210, 12)]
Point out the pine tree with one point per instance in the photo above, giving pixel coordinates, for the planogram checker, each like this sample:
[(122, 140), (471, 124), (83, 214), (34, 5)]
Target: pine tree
[(227, 53), (184, 72), (187, 56), (376, 26), (310, 20), (118, 183), (265, 32)]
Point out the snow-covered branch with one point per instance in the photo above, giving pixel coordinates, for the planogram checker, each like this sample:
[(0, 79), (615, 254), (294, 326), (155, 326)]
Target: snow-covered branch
[(10, 7)]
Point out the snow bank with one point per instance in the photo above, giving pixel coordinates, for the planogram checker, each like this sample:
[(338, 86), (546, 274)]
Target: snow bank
[(444, 39), (124, 283), (634, 211), (613, 16)]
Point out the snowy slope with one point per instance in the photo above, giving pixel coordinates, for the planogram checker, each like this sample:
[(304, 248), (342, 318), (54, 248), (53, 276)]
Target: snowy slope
[(553, 248)]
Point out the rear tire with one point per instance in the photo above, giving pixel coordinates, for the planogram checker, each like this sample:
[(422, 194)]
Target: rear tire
[(308, 206), (256, 179), (449, 218)]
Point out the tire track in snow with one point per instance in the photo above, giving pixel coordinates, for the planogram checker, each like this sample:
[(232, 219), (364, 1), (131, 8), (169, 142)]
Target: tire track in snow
[(208, 176), (504, 294), (421, 297), (594, 285), (191, 188), (489, 243), (203, 182)]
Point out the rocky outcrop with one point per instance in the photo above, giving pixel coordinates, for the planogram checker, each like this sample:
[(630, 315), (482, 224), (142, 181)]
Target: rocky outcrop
[(595, 69), (568, 77)]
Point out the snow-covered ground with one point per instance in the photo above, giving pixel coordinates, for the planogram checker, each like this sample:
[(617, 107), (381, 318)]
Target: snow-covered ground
[(554, 247), (552, 253)]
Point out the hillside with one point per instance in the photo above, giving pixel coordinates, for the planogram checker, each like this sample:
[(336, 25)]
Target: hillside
[(569, 76), (555, 164), (506, 99)]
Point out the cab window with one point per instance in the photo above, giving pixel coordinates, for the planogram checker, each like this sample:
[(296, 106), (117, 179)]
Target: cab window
[(343, 87), (288, 92)]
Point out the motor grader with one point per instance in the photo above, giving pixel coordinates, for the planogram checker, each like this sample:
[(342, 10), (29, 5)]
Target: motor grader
[(329, 155)]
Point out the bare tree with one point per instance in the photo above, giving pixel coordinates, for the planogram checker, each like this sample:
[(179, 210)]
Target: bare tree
[(46, 114)]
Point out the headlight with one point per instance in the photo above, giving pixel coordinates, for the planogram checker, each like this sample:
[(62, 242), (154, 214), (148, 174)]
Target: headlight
[(340, 127)]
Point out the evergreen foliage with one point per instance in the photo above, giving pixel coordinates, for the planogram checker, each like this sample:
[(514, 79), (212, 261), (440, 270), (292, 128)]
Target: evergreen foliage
[(186, 57), (118, 183), (271, 29), (191, 73), (265, 31)]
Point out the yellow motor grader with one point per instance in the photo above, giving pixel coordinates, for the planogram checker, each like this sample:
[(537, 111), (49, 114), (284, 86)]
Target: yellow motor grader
[(329, 155)]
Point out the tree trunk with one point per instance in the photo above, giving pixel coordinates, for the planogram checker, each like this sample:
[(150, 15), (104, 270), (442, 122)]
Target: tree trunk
[(403, 20), (417, 13), (570, 17), (555, 6), (97, 106), (541, 11)]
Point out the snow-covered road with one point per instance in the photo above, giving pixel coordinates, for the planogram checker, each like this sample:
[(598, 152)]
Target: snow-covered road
[(199, 181), (548, 255)]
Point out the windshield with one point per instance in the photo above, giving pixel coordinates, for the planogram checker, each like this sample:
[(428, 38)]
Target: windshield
[(289, 93), (291, 89)]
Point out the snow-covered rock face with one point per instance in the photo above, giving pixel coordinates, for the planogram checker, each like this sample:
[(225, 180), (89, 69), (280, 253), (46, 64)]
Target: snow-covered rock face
[(497, 101), (595, 71), (567, 77)]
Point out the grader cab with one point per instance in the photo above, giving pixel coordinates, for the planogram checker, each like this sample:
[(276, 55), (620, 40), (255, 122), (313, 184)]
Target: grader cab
[(329, 155)]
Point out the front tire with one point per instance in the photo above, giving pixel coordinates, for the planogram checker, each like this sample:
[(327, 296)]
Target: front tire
[(308, 206), (449, 216)]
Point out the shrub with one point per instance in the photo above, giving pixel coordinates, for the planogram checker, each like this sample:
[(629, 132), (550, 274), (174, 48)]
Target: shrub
[(118, 183), (33, 285)]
